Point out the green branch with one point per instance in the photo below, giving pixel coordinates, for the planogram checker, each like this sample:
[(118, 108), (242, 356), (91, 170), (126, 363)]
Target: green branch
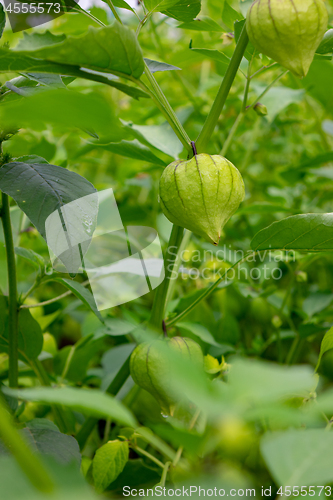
[(206, 292), (12, 296), (223, 92), (161, 293)]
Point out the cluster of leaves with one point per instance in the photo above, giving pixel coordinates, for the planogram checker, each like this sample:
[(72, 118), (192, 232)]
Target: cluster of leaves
[(81, 115)]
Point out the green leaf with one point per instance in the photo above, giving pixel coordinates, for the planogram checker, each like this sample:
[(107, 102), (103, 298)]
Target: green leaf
[(216, 55), (203, 24), (307, 232), (257, 381), (326, 345), (250, 50), (40, 189), (22, 62), (299, 457), (184, 10), (156, 66), (111, 49), (113, 360), (159, 5), (161, 137), (47, 319), (199, 331), (44, 437), (72, 362), (45, 79), (31, 159), (131, 149), (316, 302), (30, 338), (230, 16), (121, 4), (32, 41), (64, 108), (88, 401), (81, 293), (326, 45), (117, 327), (35, 260), (278, 98), (108, 463)]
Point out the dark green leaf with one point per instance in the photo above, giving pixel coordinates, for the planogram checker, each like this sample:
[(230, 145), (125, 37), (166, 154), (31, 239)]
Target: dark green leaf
[(308, 232), (44, 437), (2, 20), (41, 189)]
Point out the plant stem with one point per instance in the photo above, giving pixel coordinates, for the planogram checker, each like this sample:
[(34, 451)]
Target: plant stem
[(293, 350), (206, 292), (245, 109), (223, 92), (12, 288), (175, 123), (232, 133), (267, 89), (180, 449), (161, 293), (113, 389), (59, 417), (158, 96), (46, 302), (164, 473), (28, 461), (148, 455), (178, 261), (114, 12)]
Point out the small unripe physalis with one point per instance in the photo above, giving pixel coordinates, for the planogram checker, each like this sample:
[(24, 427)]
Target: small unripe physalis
[(288, 31), (150, 368), (201, 194)]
